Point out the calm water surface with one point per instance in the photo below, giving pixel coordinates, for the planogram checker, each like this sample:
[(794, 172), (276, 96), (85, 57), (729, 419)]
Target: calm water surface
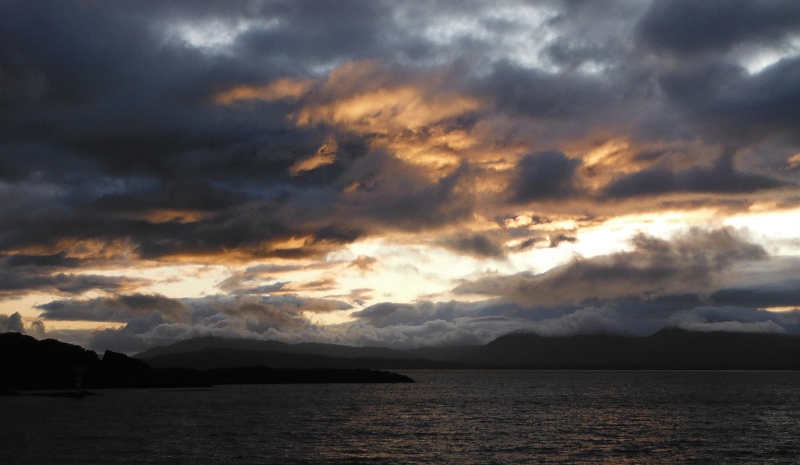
[(446, 417)]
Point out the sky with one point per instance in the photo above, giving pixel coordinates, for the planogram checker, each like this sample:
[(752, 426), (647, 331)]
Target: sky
[(397, 173)]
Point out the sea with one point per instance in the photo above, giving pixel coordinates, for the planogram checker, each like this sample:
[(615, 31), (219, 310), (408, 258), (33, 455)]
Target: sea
[(458, 417)]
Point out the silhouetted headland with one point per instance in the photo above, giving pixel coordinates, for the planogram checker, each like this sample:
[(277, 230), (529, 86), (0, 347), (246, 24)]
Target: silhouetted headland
[(29, 364)]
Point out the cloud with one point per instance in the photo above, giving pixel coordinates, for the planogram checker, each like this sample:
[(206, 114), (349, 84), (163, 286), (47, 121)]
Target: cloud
[(285, 88), (720, 178), (364, 263), (731, 105), (686, 27), (776, 294), (543, 176), (426, 323), (21, 280), (689, 263), (11, 323), (155, 319), (477, 244), (122, 308), (325, 155), (142, 134)]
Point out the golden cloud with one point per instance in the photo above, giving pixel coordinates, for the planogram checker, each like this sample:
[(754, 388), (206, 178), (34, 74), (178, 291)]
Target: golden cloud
[(387, 110), (177, 216), (406, 119), (793, 161), (282, 89), (325, 155)]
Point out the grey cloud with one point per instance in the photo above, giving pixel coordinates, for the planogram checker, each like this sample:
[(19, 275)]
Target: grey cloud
[(688, 27), (156, 320), (777, 294), (688, 263), (24, 280), (477, 244), (58, 260), (543, 176), (720, 178), (11, 323), (441, 323), (542, 95), (730, 104), (559, 238), (108, 116), (391, 192), (322, 31), (118, 309)]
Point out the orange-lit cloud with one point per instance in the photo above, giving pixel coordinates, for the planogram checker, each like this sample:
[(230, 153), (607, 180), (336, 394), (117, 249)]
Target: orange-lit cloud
[(404, 118), (794, 161), (282, 89), (178, 216), (325, 155)]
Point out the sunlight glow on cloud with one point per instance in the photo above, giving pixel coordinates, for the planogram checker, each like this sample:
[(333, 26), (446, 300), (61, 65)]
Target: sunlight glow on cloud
[(281, 89), (398, 173)]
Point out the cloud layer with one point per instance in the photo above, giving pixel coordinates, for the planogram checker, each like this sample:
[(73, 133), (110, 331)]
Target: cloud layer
[(280, 134)]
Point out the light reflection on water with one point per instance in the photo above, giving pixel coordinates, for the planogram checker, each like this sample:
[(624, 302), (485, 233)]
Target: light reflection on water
[(447, 417)]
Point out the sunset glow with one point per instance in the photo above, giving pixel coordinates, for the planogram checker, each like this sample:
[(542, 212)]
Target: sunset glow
[(271, 173)]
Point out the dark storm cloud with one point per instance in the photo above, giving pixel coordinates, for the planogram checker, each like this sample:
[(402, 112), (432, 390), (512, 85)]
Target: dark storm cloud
[(778, 294), (392, 193), (21, 281), (111, 133), (688, 27), (547, 96), (727, 101), (117, 309), (543, 176), (722, 178), (22, 274), (59, 260)]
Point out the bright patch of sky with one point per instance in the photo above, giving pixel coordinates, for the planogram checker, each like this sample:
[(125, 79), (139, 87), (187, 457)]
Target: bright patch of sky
[(214, 36), (777, 230), (757, 60)]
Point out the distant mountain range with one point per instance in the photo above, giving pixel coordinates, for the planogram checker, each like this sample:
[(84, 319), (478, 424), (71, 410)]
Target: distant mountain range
[(671, 349), (314, 348), (29, 364)]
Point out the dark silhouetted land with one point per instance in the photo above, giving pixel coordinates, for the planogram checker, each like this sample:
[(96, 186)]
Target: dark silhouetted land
[(668, 349), (29, 364)]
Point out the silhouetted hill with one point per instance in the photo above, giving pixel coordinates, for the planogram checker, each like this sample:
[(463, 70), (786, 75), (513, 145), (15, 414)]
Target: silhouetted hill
[(213, 358), (311, 348), (28, 364), (666, 349)]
